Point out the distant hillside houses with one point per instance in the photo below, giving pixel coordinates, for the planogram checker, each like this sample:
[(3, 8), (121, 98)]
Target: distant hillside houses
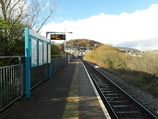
[(131, 51), (77, 52), (150, 51), (80, 47)]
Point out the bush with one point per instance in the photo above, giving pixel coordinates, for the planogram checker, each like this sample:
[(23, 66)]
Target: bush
[(141, 71)]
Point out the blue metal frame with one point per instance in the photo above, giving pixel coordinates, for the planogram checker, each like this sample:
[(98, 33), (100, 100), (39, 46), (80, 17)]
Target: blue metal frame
[(29, 34), (27, 62)]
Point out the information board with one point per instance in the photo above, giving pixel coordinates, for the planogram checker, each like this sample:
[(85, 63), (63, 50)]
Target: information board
[(57, 36)]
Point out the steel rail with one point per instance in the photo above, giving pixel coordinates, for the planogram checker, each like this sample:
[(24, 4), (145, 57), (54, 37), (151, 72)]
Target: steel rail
[(110, 109)]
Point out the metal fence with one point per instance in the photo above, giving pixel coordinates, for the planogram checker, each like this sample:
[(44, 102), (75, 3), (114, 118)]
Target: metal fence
[(11, 84), (58, 63), (12, 80)]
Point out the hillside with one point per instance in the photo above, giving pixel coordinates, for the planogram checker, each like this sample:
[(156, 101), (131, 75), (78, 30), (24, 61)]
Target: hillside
[(130, 49), (83, 44)]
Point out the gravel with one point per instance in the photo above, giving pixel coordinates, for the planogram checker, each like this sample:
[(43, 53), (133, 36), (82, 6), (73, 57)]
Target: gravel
[(144, 98)]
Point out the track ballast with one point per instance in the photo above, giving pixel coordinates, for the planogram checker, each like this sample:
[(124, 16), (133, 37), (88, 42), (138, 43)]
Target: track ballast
[(119, 104)]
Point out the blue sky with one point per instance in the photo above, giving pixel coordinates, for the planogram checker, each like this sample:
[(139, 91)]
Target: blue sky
[(122, 23), (81, 9)]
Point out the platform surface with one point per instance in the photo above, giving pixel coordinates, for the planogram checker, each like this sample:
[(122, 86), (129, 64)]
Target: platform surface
[(69, 95)]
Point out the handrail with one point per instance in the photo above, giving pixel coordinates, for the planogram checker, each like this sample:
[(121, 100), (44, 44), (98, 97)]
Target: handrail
[(19, 57), (10, 56)]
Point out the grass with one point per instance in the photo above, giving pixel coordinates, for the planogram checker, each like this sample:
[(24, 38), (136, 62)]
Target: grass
[(142, 80)]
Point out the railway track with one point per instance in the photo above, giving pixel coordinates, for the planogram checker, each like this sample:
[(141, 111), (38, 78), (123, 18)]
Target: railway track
[(119, 104)]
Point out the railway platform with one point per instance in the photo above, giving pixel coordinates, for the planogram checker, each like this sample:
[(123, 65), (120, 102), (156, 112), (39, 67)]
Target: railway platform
[(69, 95)]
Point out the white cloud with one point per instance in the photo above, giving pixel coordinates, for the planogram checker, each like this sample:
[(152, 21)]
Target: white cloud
[(117, 30)]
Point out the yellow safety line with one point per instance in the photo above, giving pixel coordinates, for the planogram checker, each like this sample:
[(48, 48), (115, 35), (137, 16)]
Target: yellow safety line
[(71, 108)]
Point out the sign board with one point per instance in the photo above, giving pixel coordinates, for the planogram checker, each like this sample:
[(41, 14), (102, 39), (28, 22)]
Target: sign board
[(57, 36)]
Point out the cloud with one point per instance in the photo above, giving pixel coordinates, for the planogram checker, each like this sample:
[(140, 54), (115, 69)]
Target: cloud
[(135, 30), (142, 44)]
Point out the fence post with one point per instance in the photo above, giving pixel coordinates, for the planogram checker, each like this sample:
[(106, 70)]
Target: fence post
[(21, 76)]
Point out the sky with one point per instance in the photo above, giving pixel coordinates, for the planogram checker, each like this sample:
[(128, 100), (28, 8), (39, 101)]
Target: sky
[(120, 23)]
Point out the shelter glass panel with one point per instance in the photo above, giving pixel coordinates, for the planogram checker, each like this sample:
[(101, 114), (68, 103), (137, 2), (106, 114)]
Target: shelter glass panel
[(40, 53), (49, 53), (34, 52), (45, 53)]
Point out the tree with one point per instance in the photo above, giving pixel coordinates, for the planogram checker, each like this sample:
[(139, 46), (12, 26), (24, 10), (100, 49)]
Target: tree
[(11, 40), (17, 14), (32, 13), (55, 50)]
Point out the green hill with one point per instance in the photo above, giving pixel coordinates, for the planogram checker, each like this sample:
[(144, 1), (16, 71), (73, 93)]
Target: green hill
[(85, 44)]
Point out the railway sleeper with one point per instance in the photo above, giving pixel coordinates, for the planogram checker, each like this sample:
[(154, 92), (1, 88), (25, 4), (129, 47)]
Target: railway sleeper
[(132, 115), (134, 118), (109, 91), (120, 106), (113, 98), (102, 83), (124, 108), (128, 112), (111, 94), (103, 86), (118, 101), (108, 88)]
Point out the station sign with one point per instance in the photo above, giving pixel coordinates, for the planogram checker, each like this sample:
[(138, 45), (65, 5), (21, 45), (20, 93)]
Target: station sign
[(57, 36)]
